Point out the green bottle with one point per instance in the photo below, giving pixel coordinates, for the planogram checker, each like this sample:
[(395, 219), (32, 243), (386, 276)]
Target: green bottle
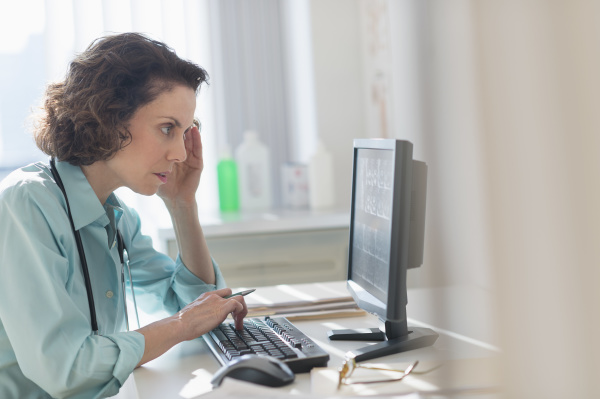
[(227, 176)]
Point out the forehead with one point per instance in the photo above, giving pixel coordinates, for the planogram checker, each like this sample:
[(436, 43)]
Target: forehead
[(179, 103)]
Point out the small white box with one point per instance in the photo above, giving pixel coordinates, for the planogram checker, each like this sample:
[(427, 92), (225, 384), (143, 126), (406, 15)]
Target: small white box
[(294, 185)]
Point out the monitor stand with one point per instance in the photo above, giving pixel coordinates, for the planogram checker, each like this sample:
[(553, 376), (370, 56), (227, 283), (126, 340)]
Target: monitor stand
[(402, 340)]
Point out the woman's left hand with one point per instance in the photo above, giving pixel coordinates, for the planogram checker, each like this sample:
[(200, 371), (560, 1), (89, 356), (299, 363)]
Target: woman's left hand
[(184, 180)]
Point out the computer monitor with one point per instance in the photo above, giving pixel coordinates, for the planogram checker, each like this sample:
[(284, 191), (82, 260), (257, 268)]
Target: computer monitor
[(387, 226)]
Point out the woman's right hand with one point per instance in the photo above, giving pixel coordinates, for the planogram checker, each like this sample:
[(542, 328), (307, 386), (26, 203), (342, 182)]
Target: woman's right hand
[(194, 320), (208, 311)]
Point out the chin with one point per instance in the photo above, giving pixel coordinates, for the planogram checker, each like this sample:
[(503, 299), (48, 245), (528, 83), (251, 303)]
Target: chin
[(147, 191)]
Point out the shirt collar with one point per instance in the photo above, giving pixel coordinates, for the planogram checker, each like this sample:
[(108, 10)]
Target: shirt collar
[(113, 212), (85, 205)]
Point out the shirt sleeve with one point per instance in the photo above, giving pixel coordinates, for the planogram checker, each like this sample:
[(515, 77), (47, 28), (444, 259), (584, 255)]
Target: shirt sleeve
[(159, 282), (43, 309)]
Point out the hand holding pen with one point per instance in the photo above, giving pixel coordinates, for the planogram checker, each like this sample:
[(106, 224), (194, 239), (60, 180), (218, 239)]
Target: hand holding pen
[(238, 323), (242, 293)]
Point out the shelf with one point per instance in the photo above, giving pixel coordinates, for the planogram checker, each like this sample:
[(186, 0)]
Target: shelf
[(269, 222)]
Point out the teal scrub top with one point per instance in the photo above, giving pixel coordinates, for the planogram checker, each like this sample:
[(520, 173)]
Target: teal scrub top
[(47, 348)]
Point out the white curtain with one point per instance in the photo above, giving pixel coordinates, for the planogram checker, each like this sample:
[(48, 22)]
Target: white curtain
[(508, 93), (540, 96)]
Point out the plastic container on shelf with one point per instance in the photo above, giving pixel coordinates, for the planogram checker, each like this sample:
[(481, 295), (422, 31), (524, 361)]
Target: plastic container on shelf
[(254, 167), (227, 176), (320, 178)]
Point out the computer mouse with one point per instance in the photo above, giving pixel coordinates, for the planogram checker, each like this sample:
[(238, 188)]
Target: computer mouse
[(263, 370)]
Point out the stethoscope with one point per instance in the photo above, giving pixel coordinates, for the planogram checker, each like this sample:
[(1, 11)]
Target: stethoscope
[(86, 275)]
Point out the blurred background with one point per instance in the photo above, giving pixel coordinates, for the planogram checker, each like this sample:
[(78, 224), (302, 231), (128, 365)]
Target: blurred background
[(499, 97)]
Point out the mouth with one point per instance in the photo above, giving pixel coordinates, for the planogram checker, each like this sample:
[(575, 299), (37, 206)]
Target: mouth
[(162, 176)]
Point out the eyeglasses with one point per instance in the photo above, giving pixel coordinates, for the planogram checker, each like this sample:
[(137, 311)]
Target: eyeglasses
[(197, 124), (350, 365)]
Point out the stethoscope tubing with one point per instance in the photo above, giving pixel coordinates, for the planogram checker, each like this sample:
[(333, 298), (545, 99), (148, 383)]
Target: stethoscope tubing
[(84, 266)]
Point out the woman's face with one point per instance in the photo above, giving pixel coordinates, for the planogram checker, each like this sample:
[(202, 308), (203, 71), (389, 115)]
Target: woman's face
[(157, 141)]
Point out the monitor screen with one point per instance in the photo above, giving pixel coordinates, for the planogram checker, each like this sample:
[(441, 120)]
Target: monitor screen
[(372, 223)]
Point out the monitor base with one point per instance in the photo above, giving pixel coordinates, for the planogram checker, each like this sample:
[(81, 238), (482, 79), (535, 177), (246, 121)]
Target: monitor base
[(418, 337), (357, 334)]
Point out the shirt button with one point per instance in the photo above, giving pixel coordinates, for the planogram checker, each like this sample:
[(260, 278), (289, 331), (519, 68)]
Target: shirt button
[(109, 294)]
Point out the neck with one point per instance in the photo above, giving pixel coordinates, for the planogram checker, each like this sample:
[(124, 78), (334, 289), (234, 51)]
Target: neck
[(101, 180)]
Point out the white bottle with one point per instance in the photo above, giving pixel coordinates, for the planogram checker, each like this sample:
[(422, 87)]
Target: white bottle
[(254, 170), (320, 178)]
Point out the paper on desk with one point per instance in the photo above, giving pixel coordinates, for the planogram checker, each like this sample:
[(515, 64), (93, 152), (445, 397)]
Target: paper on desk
[(324, 314), (232, 388), (308, 308), (303, 301), (298, 294), (453, 377)]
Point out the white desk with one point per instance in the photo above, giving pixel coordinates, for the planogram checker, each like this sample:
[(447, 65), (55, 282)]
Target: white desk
[(174, 374)]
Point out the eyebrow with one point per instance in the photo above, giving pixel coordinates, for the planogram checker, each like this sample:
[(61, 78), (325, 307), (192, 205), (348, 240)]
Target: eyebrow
[(177, 123)]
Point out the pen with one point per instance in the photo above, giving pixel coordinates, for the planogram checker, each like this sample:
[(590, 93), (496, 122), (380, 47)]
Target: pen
[(242, 293)]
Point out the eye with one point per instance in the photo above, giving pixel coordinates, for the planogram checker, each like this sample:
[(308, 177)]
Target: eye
[(166, 130)]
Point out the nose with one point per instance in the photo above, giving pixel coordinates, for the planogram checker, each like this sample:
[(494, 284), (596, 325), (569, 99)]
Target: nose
[(177, 151)]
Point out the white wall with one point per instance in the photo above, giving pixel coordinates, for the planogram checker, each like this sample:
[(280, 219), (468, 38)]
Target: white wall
[(439, 55), (433, 103), (432, 98), (338, 85)]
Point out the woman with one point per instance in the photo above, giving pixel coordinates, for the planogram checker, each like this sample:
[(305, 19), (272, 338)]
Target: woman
[(123, 117)]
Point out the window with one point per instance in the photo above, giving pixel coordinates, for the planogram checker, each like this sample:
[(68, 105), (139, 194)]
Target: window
[(40, 37), (245, 45), (22, 79)]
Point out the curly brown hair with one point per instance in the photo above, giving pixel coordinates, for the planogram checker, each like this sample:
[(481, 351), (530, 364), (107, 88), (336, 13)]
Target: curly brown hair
[(84, 118)]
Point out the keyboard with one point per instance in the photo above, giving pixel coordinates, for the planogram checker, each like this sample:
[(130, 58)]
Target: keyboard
[(267, 336)]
